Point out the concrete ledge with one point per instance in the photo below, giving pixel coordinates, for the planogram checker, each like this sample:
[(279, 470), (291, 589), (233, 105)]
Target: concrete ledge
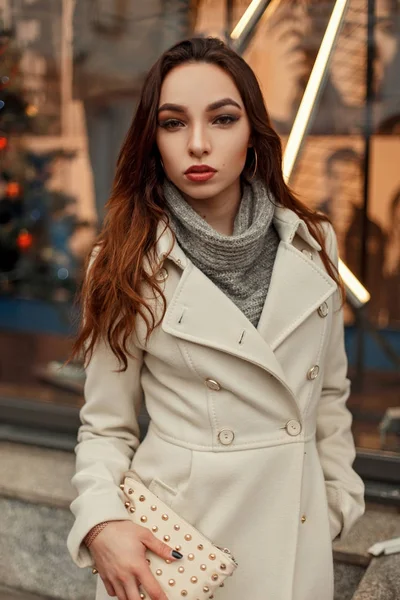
[(374, 526), (10, 594), (34, 555), (347, 578), (36, 475), (381, 580)]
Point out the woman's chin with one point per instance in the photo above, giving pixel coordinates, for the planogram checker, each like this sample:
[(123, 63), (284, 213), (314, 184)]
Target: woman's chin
[(206, 189), (200, 190)]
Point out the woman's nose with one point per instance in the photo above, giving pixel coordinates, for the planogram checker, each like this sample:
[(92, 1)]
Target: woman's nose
[(199, 142)]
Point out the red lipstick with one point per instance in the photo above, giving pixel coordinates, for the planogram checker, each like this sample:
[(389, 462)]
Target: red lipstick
[(200, 173)]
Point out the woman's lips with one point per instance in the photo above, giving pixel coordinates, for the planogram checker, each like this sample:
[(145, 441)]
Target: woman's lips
[(199, 177)]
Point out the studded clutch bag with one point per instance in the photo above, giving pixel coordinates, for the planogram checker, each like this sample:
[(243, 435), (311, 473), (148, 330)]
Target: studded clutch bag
[(204, 566)]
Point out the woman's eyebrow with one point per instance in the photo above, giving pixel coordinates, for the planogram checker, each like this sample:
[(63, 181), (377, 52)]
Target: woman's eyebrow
[(214, 106), (221, 103)]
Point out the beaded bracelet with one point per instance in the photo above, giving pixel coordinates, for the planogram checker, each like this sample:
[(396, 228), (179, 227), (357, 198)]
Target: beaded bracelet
[(94, 532)]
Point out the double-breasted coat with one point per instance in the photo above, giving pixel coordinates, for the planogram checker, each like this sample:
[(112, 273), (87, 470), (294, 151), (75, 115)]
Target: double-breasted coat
[(249, 438)]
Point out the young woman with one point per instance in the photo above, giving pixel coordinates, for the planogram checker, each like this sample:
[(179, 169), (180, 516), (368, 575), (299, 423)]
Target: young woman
[(213, 296)]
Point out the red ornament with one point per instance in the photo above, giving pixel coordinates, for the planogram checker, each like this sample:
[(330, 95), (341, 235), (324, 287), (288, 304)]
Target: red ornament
[(24, 240), (13, 189), (3, 143)]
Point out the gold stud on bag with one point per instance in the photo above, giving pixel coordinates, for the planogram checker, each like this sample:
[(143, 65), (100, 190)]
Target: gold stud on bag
[(204, 566)]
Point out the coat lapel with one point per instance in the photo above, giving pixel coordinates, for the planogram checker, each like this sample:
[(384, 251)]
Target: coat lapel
[(298, 284), (298, 287), (200, 312)]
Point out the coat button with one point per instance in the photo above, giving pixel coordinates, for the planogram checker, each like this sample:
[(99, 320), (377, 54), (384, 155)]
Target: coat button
[(293, 427), (213, 385), (226, 437), (313, 372), (323, 310), (308, 254)]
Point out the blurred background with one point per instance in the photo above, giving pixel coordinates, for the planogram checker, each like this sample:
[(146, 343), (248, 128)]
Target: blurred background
[(70, 77)]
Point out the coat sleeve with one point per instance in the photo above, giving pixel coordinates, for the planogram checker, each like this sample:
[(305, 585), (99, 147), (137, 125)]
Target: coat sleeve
[(107, 439), (344, 488)]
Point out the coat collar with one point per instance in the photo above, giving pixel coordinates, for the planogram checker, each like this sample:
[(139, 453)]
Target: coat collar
[(165, 246), (198, 311), (286, 223)]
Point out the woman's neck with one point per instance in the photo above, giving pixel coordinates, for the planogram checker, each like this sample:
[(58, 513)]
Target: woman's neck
[(219, 211)]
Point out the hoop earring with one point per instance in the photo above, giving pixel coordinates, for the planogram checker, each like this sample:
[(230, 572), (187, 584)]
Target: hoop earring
[(255, 164)]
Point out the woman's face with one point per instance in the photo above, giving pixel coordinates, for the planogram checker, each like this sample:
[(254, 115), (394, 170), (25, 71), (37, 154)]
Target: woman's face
[(192, 132)]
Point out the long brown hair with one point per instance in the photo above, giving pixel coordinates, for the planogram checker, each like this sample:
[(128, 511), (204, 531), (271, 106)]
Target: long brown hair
[(110, 296)]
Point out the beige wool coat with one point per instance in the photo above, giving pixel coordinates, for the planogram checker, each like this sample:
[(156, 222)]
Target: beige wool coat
[(249, 438)]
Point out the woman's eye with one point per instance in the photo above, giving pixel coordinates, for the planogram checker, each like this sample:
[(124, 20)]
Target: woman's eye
[(171, 124), (226, 120)]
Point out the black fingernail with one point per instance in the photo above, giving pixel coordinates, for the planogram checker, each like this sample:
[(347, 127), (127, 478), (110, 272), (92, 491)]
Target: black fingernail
[(176, 554)]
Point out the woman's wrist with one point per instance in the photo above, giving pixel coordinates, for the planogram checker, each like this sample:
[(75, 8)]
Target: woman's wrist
[(94, 532)]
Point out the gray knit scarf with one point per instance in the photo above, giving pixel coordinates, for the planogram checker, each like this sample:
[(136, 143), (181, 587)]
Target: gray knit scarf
[(239, 264)]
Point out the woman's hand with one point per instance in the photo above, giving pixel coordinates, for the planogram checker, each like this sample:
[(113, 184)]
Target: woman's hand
[(119, 555)]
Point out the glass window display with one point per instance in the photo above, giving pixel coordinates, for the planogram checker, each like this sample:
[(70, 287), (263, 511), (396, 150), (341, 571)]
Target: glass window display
[(70, 76)]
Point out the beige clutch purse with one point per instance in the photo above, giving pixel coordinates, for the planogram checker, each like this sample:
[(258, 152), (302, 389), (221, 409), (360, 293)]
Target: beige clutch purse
[(204, 566)]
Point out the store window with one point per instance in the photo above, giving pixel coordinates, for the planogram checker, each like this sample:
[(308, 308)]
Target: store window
[(62, 124), (70, 75), (348, 168)]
